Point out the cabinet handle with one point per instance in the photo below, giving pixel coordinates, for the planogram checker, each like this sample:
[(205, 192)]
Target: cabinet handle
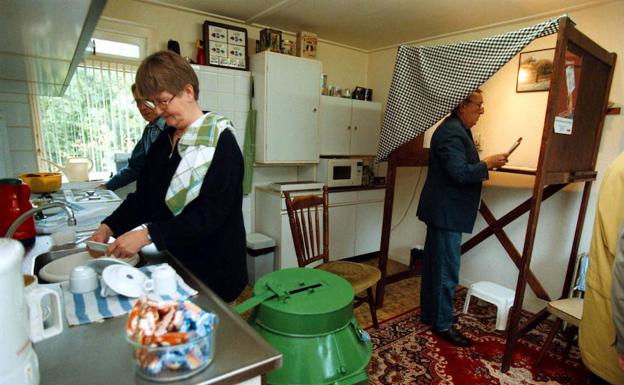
[(355, 128), (314, 110), (348, 127)]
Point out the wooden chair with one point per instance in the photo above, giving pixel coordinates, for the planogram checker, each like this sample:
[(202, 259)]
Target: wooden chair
[(312, 245), (569, 310)]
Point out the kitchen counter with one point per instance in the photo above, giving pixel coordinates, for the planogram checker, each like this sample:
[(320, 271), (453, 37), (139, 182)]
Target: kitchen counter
[(356, 188), (99, 354)]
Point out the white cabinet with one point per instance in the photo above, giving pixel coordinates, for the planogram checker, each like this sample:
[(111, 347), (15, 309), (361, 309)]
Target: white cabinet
[(349, 126), (355, 219), (286, 98)]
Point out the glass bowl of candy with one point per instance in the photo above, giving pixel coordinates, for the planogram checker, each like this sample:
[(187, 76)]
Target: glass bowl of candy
[(170, 340)]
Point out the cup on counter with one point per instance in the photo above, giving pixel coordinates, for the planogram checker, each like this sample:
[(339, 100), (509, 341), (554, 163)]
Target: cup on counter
[(82, 279), (164, 280)]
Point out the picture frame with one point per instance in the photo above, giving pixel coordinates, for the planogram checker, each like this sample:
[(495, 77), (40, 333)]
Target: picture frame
[(225, 46), (535, 69)]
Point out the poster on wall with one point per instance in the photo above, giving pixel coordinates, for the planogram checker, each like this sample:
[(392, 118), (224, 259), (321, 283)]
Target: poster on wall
[(568, 93), (535, 70), (226, 46)]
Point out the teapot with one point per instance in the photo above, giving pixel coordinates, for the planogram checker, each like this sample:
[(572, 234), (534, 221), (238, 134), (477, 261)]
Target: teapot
[(75, 169)]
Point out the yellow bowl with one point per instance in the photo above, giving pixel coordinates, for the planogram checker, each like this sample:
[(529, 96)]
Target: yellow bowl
[(42, 182)]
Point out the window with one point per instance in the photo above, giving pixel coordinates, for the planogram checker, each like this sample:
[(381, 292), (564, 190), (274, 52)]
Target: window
[(95, 119)]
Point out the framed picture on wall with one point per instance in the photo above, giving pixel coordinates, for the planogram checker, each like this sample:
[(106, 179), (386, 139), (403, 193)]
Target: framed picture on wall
[(535, 69), (226, 46)]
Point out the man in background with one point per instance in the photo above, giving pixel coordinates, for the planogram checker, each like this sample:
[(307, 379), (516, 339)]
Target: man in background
[(448, 205), (152, 130), (597, 332)]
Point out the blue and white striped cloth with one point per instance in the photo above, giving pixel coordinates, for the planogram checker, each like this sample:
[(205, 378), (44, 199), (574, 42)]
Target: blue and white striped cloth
[(91, 307)]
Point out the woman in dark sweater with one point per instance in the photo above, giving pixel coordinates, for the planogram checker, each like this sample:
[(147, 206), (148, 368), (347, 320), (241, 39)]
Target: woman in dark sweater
[(189, 195)]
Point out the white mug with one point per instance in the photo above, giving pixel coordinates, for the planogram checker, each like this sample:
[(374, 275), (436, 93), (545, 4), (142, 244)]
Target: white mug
[(164, 281), (35, 296), (82, 279)]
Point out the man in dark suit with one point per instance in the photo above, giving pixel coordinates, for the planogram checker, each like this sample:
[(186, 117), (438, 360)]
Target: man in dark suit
[(448, 205)]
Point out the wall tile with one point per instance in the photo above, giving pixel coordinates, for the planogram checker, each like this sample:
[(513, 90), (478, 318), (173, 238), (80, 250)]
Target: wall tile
[(23, 161), (16, 114), (226, 83), (21, 138), (241, 103), (208, 81), (242, 84), (225, 102), (211, 101)]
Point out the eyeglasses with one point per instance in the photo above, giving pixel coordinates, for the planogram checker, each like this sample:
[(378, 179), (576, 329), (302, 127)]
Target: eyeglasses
[(163, 104)]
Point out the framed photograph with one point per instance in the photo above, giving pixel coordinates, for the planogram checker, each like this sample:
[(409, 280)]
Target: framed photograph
[(226, 46), (535, 69)]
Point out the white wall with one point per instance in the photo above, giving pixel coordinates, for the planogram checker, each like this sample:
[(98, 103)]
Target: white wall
[(18, 152), (508, 115)]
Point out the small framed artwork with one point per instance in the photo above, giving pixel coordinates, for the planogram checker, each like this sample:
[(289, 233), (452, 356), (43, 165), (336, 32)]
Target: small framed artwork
[(535, 68), (226, 46)]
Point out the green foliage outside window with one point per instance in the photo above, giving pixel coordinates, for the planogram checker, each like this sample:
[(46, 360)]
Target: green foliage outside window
[(95, 118)]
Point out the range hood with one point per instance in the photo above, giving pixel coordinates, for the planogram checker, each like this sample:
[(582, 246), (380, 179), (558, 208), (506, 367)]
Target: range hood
[(43, 42)]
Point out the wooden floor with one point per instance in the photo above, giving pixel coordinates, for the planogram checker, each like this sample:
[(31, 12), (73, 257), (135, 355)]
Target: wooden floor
[(399, 296)]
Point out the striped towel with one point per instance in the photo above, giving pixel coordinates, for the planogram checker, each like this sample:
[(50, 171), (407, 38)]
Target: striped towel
[(85, 308)]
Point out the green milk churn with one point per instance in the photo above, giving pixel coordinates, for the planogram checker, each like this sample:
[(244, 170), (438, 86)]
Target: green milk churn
[(307, 314)]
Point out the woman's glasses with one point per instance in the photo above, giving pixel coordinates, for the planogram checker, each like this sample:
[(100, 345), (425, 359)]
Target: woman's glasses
[(163, 104)]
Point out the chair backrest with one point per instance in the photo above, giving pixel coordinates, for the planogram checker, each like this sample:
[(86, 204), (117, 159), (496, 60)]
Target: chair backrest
[(310, 234)]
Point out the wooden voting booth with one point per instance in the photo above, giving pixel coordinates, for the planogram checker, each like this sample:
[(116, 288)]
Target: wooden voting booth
[(569, 148)]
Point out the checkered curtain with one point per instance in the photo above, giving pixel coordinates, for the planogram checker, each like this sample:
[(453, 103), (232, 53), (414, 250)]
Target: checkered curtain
[(428, 82)]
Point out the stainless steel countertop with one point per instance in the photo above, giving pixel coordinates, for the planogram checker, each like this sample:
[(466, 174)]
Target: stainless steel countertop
[(99, 354)]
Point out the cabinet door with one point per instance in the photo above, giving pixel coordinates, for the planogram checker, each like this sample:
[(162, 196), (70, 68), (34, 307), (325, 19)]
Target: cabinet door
[(287, 255), (341, 231), (292, 103), (335, 125), (368, 227), (365, 127)]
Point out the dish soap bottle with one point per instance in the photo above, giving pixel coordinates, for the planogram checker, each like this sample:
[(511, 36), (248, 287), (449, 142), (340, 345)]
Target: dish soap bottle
[(201, 54)]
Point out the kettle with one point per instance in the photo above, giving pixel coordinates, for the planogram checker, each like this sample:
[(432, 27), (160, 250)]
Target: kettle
[(14, 201), (75, 169), (21, 312)]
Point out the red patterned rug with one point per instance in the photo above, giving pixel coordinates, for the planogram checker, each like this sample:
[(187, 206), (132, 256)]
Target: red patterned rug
[(406, 352)]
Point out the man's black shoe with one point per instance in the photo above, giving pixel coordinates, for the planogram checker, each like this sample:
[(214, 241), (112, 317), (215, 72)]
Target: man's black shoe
[(453, 336)]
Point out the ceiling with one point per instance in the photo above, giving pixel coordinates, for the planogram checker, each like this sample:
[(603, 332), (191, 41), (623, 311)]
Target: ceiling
[(375, 24)]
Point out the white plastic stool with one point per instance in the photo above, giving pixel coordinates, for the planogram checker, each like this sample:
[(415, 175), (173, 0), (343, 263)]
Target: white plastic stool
[(493, 293)]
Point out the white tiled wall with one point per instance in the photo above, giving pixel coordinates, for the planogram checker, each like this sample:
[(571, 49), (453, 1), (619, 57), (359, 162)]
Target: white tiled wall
[(226, 92), (18, 142)]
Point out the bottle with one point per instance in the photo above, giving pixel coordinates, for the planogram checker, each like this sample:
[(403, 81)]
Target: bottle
[(201, 54)]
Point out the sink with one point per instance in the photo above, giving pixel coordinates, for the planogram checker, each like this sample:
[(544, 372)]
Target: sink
[(57, 252)]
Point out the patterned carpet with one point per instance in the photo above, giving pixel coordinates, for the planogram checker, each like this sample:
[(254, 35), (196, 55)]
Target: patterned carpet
[(406, 352)]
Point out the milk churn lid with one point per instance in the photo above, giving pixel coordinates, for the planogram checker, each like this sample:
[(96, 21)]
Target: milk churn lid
[(306, 301)]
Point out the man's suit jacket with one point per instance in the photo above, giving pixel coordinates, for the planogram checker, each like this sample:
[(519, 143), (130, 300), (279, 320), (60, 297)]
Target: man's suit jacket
[(452, 192)]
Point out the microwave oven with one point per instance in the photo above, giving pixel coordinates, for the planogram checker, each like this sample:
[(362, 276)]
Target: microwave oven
[(340, 172)]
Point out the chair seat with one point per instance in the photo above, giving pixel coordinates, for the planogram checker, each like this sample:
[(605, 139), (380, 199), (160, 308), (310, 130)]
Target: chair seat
[(361, 276), (568, 309)]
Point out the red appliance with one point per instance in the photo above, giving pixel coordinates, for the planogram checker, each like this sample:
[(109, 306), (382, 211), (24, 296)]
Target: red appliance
[(14, 201)]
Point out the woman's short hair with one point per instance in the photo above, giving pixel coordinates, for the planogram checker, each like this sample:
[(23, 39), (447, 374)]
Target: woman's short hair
[(165, 71)]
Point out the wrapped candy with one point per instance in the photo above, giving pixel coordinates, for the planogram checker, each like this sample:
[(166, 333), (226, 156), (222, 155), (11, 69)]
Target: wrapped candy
[(172, 339)]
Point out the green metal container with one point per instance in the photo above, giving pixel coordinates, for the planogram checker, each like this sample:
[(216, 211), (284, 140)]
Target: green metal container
[(307, 314)]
